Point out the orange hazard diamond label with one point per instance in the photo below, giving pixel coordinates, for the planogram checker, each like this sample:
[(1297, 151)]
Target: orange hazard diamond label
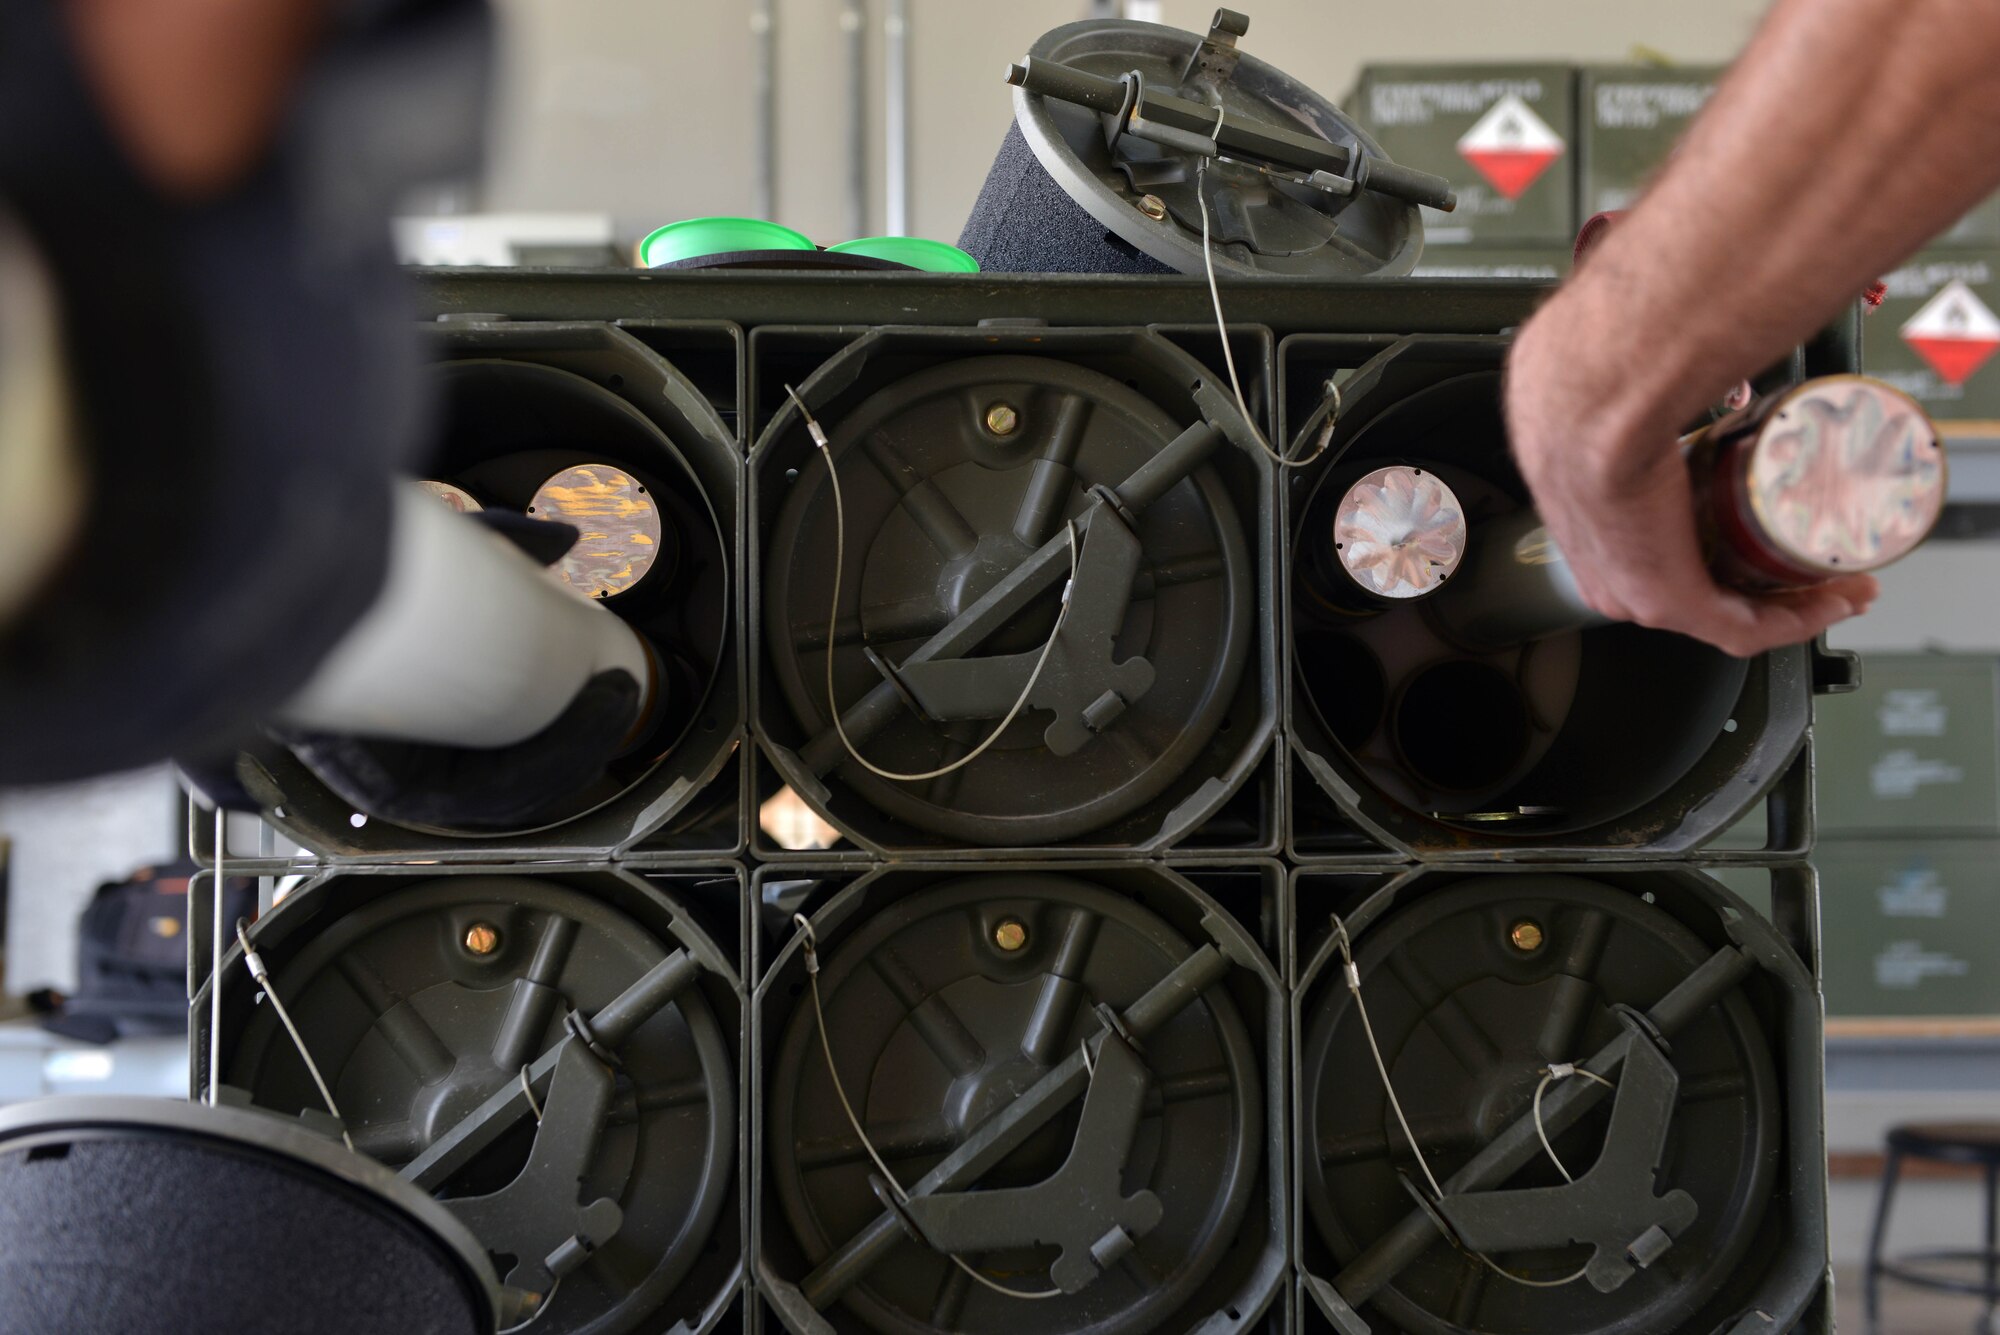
[(1955, 332), (1511, 146)]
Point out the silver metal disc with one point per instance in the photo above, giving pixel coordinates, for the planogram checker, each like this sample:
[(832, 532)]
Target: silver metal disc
[(1399, 532)]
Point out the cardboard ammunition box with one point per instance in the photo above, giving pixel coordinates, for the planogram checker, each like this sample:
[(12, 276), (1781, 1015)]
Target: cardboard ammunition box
[(1515, 262), (1753, 884), (1910, 928), (1914, 750), (1503, 135), (1632, 117), (1936, 334)]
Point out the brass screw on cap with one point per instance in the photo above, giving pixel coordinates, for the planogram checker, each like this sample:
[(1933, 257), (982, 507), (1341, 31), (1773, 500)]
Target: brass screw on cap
[(1010, 935), (482, 938), (1526, 935), (1001, 419), (1153, 207)]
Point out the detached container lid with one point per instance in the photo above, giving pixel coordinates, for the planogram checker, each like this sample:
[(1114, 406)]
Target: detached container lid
[(694, 238), (152, 1214), (915, 251), (1146, 190)]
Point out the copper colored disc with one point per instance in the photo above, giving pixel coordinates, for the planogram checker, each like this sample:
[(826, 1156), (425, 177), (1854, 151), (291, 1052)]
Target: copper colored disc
[(618, 524), (1848, 475), (1399, 532), (452, 497)]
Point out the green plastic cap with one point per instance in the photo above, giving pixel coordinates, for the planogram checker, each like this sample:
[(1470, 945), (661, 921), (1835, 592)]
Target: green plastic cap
[(915, 251), (692, 238)]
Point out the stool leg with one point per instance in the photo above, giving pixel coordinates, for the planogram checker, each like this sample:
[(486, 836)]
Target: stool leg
[(1871, 1276), (1992, 1242)]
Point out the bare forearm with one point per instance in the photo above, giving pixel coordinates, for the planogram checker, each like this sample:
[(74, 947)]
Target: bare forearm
[(194, 88), (1850, 132)]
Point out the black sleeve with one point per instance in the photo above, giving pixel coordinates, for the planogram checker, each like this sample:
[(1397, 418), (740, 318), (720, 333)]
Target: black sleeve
[(246, 376)]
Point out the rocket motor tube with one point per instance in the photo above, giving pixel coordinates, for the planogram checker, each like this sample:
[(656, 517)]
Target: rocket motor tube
[(1514, 587), (1840, 475)]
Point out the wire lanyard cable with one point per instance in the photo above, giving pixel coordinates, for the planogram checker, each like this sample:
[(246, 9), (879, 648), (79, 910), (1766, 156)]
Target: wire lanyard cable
[(262, 975), (540, 1305), (1352, 973), (1560, 1071), (1229, 355), (819, 439), (810, 945)]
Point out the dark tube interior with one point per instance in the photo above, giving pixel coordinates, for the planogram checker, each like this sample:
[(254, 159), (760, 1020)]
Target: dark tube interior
[(1344, 683), (1461, 726)]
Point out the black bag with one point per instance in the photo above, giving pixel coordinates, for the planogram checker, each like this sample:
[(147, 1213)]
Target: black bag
[(132, 955)]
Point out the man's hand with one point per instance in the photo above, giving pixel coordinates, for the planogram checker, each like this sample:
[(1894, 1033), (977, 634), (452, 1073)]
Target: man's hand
[(1616, 496), (1850, 132)]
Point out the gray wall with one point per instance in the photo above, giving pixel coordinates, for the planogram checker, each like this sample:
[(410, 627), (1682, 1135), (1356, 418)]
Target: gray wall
[(642, 108), (67, 840)]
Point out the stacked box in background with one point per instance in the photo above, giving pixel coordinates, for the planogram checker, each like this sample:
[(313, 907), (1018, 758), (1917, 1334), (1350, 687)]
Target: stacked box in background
[(1505, 137), (1632, 116), (1534, 150), (1909, 849), (1936, 333), (1910, 928), (1915, 752)]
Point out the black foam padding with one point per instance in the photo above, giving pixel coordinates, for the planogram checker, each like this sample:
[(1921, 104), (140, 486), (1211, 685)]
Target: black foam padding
[(183, 1235), (1024, 222)]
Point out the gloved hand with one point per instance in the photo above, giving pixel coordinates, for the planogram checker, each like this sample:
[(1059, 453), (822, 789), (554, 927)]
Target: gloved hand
[(480, 789), (463, 788)]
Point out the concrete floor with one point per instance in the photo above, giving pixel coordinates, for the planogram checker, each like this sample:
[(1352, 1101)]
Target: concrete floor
[(1906, 1310)]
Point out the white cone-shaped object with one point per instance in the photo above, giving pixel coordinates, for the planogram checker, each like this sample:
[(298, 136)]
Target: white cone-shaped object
[(469, 644)]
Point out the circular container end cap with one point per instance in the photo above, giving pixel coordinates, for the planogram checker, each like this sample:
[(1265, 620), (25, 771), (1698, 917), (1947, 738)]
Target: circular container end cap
[(915, 251), (693, 238), (1848, 476), (1400, 533)]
